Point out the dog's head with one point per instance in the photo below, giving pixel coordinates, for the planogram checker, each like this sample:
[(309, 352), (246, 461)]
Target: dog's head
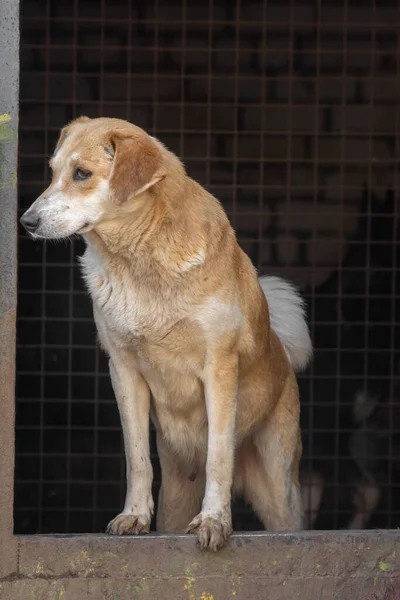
[(100, 168)]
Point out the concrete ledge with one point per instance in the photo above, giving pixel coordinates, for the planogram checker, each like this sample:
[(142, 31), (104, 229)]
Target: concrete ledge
[(305, 565)]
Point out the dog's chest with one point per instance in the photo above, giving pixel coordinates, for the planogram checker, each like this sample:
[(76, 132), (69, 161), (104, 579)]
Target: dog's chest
[(123, 307)]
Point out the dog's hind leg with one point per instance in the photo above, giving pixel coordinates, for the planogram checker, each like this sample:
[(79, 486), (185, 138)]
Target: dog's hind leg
[(268, 465), (181, 493)]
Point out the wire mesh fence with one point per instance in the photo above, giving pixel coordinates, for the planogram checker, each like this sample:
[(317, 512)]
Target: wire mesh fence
[(289, 113)]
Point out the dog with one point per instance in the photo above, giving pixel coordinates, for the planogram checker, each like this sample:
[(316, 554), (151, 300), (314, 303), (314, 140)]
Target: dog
[(180, 311)]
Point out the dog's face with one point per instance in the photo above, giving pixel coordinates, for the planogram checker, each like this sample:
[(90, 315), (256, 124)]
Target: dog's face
[(99, 166)]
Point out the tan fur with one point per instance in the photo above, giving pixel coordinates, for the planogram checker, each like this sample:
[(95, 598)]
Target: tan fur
[(130, 175), (179, 310)]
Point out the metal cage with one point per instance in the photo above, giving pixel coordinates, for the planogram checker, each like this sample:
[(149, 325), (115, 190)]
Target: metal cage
[(287, 112)]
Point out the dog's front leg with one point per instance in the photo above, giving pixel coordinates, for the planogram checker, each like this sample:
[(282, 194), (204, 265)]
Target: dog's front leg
[(214, 523), (133, 398)]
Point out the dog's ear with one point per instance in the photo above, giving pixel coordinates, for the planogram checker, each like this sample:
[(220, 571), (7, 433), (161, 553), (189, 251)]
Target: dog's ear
[(65, 130), (136, 165)]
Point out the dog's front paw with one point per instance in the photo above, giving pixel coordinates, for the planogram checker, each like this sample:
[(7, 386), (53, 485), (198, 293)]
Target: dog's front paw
[(129, 524), (212, 530)]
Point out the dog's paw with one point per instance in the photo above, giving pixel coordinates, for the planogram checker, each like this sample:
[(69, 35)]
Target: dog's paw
[(212, 530), (129, 524)]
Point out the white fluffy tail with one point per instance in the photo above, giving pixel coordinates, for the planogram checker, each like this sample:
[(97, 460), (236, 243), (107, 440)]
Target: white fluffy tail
[(288, 320)]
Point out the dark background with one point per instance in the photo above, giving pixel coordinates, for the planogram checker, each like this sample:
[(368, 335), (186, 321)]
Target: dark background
[(287, 112)]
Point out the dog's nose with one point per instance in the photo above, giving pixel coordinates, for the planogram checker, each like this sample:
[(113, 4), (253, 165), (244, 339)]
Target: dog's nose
[(30, 222)]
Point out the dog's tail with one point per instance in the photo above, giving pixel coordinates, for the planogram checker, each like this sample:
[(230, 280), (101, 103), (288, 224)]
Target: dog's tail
[(288, 320)]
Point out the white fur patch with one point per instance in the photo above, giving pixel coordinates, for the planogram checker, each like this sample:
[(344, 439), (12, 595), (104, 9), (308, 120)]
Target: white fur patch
[(61, 215), (75, 156), (59, 184), (217, 318), (287, 318), (125, 308), (197, 259), (59, 157), (214, 498), (55, 160)]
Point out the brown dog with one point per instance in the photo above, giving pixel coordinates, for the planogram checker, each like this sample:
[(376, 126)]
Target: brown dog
[(180, 311)]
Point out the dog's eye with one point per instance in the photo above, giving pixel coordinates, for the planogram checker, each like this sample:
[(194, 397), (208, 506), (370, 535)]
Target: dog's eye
[(81, 174)]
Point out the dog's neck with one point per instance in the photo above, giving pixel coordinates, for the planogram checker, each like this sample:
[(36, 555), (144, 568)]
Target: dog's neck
[(163, 237), (126, 234)]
